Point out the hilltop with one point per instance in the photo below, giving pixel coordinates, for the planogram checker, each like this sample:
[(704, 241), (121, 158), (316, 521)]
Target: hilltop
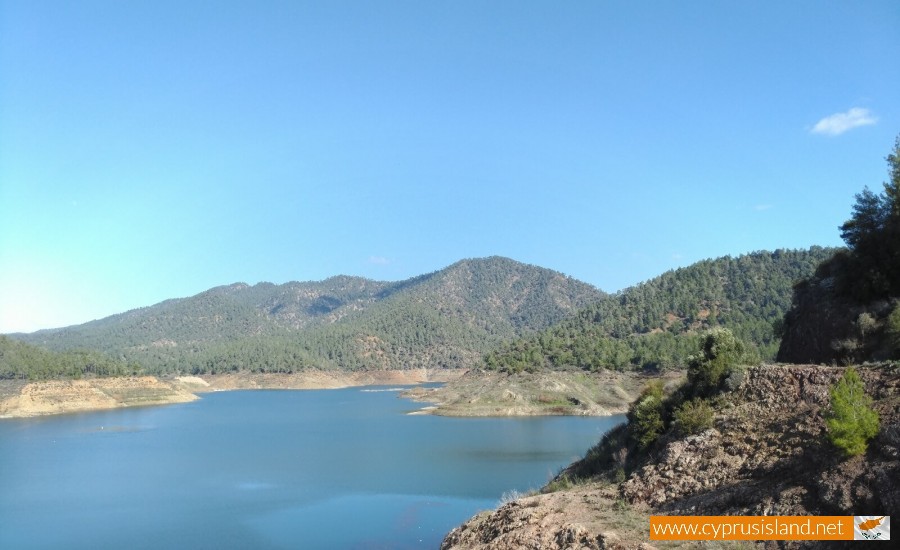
[(766, 440)]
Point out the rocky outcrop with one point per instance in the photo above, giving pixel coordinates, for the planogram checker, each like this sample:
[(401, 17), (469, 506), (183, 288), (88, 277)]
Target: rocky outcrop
[(828, 325), (767, 454), (581, 518)]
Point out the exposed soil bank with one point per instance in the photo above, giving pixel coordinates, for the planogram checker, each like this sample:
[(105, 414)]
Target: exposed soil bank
[(315, 379), (23, 399), (578, 393), (44, 397)]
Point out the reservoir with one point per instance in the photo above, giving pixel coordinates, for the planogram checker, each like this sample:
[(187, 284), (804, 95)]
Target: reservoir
[(270, 469)]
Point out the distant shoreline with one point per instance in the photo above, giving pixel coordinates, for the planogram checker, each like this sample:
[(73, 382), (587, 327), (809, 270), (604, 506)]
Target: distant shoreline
[(24, 399), (465, 393)]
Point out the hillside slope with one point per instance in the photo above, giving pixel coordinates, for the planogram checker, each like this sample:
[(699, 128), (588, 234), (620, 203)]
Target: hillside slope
[(658, 323), (449, 318), (765, 455)]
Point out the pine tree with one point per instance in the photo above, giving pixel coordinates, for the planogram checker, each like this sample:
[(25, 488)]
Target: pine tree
[(873, 236), (851, 420)]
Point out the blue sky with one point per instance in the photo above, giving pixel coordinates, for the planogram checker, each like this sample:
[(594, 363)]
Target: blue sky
[(151, 150)]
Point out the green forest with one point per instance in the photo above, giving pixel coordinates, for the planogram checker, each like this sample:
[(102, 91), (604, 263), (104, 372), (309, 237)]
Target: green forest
[(658, 324), (19, 360)]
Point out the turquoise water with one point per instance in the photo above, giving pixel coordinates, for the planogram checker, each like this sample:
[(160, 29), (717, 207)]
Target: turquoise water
[(269, 469)]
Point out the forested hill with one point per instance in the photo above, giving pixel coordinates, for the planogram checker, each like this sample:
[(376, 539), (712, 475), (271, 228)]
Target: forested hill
[(658, 323), (449, 318)]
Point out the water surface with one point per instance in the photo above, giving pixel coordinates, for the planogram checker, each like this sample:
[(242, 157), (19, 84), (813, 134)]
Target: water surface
[(269, 469)]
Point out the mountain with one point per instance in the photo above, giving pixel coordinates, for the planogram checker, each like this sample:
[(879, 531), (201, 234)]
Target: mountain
[(658, 323), (449, 318), (492, 311)]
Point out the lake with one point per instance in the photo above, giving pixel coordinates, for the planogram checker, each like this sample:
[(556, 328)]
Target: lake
[(270, 469)]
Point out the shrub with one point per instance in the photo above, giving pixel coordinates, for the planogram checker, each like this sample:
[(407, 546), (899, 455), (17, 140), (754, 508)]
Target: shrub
[(851, 421), (693, 417), (510, 496), (735, 378), (646, 415), (720, 355)]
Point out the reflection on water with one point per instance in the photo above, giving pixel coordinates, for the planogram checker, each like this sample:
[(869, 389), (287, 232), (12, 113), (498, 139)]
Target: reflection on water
[(269, 469)]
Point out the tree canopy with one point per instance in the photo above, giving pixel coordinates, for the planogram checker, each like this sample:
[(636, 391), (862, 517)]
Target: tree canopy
[(872, 235), (721, 354)]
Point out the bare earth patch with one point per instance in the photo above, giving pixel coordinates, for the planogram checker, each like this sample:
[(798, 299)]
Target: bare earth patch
[(577, 393)]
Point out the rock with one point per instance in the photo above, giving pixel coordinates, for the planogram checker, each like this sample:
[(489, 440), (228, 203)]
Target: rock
[(609, 541), (572, 536)]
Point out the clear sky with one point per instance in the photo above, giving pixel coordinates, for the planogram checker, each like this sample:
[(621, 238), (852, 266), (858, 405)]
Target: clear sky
[(151, 150)]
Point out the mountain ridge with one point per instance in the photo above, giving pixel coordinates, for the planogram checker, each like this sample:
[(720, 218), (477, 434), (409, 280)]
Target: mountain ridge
[(339, 322), (493, 312)]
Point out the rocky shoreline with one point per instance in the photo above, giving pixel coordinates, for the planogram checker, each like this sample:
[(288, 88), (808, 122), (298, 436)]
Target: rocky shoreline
[(766, 454)]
